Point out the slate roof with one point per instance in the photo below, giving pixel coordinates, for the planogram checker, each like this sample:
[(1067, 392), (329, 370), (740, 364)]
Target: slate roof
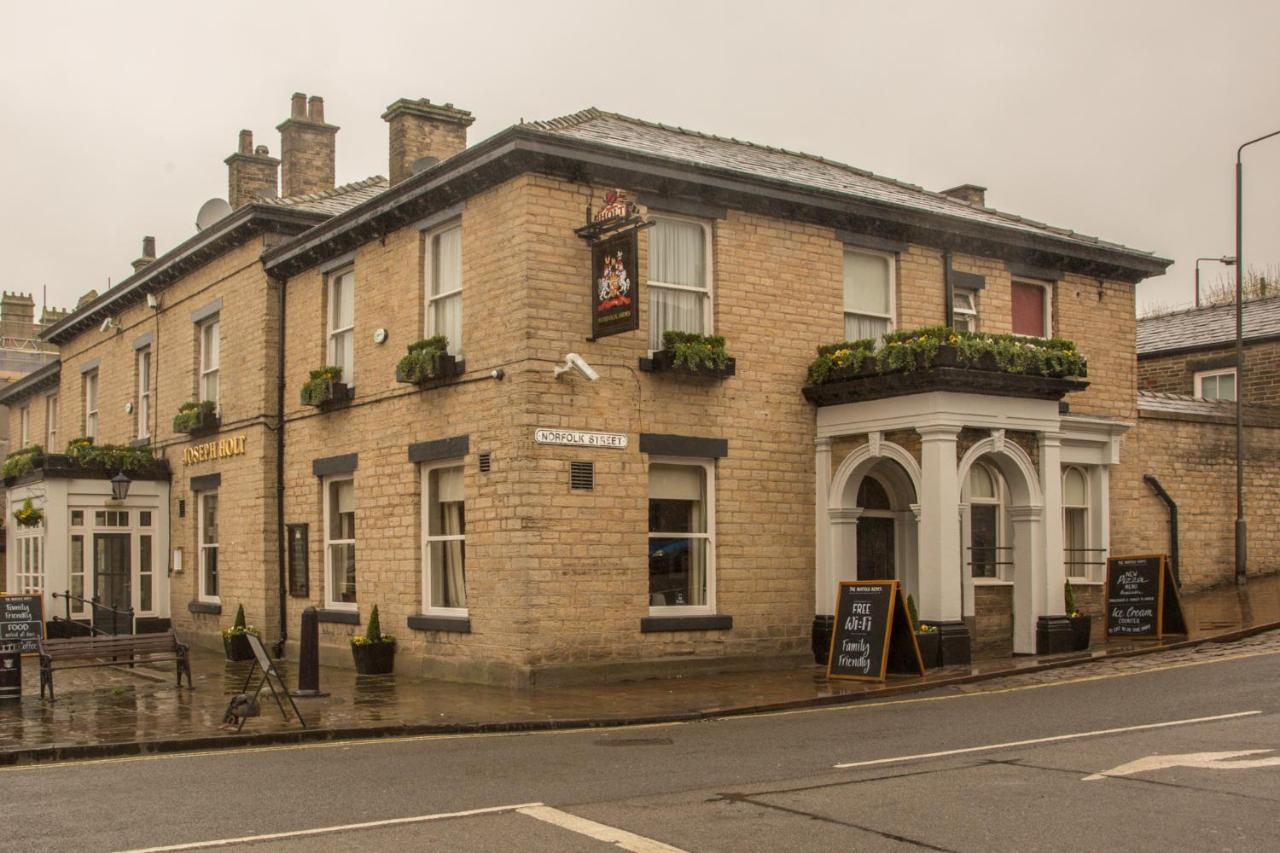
[(1161, 404), (1208, 326), (336, 200), (805, 170)]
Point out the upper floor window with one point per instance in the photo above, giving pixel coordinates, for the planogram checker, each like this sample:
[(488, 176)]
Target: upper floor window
[(964, 311), (1216, 384), (24, 425), (868, 295), (51, 422), (1031, 309), (144, 391), (682, 535), (340, 542), (444, 285), (340, 328), (210, 358), (444, 539), (89, 381), (679, 278)]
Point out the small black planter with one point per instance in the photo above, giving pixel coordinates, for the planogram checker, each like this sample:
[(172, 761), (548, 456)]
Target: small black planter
[(202, 422), (446, 367), (1081, 626), (374, 658), (237, 648), (333, 393), (930, 643), (663, 361)]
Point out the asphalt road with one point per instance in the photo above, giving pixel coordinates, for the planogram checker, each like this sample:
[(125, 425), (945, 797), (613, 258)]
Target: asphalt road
[(996, 769)]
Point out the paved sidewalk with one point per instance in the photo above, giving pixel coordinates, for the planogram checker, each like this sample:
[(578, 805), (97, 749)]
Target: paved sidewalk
[(116, 710)]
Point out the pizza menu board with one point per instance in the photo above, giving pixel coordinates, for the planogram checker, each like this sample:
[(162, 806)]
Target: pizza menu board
[(1142, 598), (21, 621), (872, 633)]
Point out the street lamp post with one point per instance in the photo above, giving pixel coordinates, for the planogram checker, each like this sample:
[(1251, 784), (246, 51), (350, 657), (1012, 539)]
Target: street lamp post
[(1225, 260), (1242, 534)]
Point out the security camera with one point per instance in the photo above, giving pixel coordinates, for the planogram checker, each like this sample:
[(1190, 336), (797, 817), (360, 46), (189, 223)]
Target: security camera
[(153, 301), (107, 324), (573, 361)]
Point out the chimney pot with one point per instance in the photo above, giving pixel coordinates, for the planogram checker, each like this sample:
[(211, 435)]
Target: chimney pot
[(299, 106), (420, 129), (261, 151), (148, 247), (246, 141), (969, 194), (306, 149), (315, 109), (251, 172)]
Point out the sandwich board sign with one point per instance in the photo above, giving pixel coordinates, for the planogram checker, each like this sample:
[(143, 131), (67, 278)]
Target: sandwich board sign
[(22, 622), (1142, 598), (872, 634)]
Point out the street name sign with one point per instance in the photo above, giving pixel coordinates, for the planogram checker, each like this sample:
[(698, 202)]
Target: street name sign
[(578, 438), (873, 634), (1142, 598)]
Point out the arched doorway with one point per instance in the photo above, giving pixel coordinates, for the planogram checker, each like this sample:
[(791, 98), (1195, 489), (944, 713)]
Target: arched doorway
[(877, 540)]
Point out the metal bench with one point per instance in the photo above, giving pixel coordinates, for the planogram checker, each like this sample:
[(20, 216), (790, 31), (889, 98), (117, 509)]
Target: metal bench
[(111, 650)]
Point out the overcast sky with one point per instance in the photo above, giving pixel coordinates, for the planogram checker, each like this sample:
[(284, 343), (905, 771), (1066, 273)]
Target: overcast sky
[(1117, 119)]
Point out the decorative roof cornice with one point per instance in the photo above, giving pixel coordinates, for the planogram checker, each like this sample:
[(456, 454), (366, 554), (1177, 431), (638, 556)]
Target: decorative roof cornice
[(33, 383)]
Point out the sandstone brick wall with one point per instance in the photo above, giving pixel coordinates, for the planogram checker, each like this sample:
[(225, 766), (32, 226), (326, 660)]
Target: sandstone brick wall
[(993, 620), (1175, 373)]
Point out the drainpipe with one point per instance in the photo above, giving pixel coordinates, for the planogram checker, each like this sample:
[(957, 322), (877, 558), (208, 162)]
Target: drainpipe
[(1173, 522), (278, 648), (949, 288)]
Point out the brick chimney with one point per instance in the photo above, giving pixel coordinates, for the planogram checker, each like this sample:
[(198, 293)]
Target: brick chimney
[(17, 315), (251, 172), (148, 253), (422, 129), (969, 194), (306, 147)]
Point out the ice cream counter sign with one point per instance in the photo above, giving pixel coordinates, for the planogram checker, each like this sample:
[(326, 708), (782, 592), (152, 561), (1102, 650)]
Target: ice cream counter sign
[(1142, 597), (21, 621)]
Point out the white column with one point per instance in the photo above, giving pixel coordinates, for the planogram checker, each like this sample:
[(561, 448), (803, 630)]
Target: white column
[(939, 581), (844, 547), (823, 581), (1051, 602), (1028, 566)]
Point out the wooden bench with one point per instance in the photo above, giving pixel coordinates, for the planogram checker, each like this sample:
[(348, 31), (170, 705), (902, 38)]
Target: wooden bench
[(111, 650)]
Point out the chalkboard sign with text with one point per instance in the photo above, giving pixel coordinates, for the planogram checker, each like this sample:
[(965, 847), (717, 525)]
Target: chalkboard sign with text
[(873, 634), (22, 621), (1142, 598)]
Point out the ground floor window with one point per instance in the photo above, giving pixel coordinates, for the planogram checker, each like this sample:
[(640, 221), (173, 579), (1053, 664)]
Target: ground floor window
[(681, 534), (340, 542), (207, 503), (444, 539), (986, 549), (75, 571), (30, 575)]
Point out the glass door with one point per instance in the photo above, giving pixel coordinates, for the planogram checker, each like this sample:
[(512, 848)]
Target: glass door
[(111, 580)]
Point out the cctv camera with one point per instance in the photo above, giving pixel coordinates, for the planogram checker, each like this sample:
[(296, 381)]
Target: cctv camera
[(580, 364), (107, 324), (153, 301)]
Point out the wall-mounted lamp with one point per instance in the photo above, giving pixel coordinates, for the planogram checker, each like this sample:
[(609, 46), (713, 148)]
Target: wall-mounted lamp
[(120, 486)]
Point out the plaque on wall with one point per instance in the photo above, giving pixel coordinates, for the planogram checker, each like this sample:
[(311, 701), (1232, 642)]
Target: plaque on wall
[(299, 578)]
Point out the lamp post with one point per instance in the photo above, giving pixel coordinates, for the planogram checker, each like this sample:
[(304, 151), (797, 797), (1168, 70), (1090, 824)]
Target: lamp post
[(1225, 260), (1242, 534)]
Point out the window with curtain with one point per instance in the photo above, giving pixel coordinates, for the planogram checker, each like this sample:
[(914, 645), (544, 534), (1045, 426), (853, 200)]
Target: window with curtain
[(868, 295), (340, 542), (1030, 309), (679, 278), (341, 323), (210, 358), (1216, 384), (444, 286), (985, 522), (51, 423), (144, 392), (1075, 523), (681, 537), (207, 503), (444, 540), (90, 383)]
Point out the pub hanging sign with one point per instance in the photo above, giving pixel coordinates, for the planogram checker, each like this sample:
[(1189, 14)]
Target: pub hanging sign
[(613, 232)]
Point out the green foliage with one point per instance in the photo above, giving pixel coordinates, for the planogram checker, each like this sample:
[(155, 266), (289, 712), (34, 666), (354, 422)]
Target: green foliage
[(918, 349), (373, 634), (21, 461), (915, 618), (112, 457), (239, 623), (419, 363), (318, 389), (239, 627), (28, 515), (1070, 596), (192, 414), (696, 352)]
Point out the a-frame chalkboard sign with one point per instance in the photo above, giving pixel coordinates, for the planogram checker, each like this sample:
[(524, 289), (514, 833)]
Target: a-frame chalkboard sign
[(873, 634), (1142, 598)]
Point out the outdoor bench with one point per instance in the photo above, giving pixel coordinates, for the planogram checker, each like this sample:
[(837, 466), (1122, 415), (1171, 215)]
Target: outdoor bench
[(111, 650)]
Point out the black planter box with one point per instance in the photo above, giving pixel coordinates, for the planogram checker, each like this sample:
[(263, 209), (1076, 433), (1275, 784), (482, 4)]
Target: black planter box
[(930, 643), (446, 368), (1081, 626), (237, 648), (374, 658), (663, 361), (335, 393), (204, 422)]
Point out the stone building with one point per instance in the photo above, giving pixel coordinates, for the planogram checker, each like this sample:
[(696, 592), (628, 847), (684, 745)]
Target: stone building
[(517, 519)]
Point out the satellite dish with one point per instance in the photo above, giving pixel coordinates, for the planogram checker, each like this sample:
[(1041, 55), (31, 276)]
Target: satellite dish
[(423, 163), (210, 212)]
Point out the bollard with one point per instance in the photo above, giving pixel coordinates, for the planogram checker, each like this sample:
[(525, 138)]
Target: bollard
[(309, 655)]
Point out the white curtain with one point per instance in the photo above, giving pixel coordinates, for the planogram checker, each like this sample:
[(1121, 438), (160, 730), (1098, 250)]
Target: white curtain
[(448, 556), (859, 326), (677, 256), (687, 484), (446, 278), (866, 296)]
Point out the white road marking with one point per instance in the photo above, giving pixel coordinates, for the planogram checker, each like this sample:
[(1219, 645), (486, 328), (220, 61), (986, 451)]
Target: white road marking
[(598, 831), (322, 830), (1203, 760), (1052, 739)]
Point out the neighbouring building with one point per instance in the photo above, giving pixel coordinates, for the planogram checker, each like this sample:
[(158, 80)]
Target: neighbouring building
[(517, 519)]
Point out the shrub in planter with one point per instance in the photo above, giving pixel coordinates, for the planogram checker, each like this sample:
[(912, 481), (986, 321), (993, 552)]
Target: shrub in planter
[(374, 652), (28, 515), (324, 386), (234, 643), (195, 416), (928, 638), (426, 360), (1081, 623), (22, 461), (689, 352)]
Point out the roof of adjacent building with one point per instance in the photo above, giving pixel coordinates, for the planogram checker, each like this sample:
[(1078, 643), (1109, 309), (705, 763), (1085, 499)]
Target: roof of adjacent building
[(1208, 327), (1162, 404), (334, 201)]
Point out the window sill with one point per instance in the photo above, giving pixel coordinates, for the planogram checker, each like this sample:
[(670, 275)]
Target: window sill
[(1085, 582), (214, 607), (336, 616), (446, 624), (991, 582), (710, 622)]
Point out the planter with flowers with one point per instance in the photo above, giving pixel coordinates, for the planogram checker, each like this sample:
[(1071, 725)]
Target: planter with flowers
[(196, 416), (325, 387), (691, 354), (374, 652), (28, 515), (428, 363), (1081, 623), (928, 638), (233, 639)]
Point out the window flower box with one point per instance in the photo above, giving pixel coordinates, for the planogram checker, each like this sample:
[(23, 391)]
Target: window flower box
[(325, 388), (428, 364), (84, 460), (196, 416), (690, 354)]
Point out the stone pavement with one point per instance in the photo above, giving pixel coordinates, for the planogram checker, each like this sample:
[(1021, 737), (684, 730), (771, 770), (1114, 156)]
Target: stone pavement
[(116, 710)]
